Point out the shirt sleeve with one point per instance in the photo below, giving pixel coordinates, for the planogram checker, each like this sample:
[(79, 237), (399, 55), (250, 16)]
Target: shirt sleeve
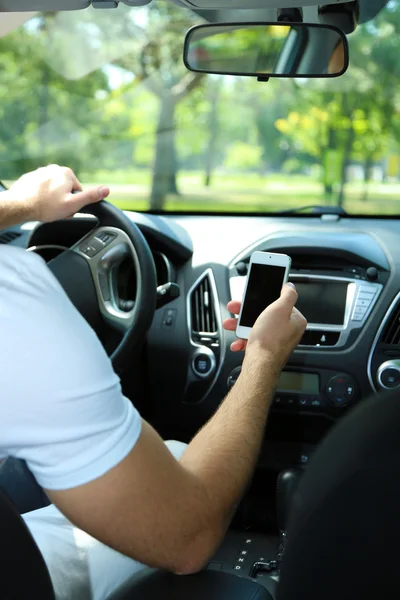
[(62, 408)]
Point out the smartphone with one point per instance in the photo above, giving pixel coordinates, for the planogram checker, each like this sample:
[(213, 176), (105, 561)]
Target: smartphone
[(268, 272)]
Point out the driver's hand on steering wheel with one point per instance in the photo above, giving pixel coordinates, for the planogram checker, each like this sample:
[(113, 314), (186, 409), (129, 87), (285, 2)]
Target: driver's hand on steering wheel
[(52, 193)]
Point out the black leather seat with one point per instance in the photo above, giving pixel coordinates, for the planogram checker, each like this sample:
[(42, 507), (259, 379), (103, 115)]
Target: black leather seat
[(207, 585), (23, 572)]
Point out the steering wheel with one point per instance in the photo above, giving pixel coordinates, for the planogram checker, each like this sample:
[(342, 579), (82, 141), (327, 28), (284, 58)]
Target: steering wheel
[(88, 273)]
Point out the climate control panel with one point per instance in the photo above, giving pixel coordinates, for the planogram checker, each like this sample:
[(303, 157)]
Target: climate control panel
[(319, 390)]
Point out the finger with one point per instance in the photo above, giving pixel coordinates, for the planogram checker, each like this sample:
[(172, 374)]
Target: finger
[(234, 307), (230, 324), (76, 184), (238, 345), (288, 297), (299, 318), (90, 196)]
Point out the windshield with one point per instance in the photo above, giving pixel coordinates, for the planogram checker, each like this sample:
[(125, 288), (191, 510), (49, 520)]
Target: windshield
[(106, 93)]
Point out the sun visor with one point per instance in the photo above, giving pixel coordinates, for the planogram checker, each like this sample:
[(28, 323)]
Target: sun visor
[(240, 4), (56, 5)]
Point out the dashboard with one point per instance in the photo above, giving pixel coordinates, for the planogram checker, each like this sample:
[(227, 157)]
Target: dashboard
[(347, 274)]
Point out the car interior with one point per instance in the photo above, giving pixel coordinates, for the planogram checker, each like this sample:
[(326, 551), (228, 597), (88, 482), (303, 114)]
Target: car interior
[(154, 278)]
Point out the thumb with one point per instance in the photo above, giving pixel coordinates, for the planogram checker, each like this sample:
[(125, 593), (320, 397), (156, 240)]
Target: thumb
[(289, 296), (78, 200)]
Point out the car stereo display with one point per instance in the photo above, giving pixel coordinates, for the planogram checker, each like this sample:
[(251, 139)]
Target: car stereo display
[(322, 302)]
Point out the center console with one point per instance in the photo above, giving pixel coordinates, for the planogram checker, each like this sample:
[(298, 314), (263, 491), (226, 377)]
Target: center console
[(340, 280), (333, 306)]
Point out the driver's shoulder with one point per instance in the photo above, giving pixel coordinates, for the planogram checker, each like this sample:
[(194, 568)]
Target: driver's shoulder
[(19, 268), (13, 259)]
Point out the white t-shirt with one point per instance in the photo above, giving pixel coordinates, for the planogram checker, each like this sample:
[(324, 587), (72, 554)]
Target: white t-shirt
[(61, 405), (62, 409)]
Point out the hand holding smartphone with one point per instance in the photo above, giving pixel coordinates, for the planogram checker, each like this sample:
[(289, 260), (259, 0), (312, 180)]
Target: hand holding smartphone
[(268, 273)]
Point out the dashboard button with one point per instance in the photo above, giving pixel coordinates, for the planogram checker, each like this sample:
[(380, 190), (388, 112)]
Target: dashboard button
[(368, 288), (360, 310), (169, 318), (330, 392), (316, 403), (363, 303), (365, 296), (320, 338), (202, 363), (341, 390), (303, 401), (285, 400), (390, 378), (358, 317)]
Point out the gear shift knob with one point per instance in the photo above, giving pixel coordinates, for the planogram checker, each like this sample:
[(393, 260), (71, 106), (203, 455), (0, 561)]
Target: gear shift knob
[(285, 489)]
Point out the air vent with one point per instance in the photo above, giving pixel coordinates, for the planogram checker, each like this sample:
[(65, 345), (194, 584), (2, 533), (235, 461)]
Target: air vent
[(204, 321), (391, 333), (9, 236)]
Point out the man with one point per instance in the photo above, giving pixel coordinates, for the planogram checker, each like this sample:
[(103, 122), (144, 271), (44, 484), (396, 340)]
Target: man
[(103, 467)]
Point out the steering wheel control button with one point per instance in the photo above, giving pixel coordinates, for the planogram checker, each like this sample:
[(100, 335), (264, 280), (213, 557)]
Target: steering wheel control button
[(389, 374), (341, 390), (105, 237), (88, 250), (204, 362)]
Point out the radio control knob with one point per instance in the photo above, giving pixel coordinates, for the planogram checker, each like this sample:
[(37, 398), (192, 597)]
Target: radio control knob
[(242, 268), (372, 273), (341, 390), (389, 374)]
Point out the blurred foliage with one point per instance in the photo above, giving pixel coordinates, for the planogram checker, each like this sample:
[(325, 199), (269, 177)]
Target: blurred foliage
[(111, 95)]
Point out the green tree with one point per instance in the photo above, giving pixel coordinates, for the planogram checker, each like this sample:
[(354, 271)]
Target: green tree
[(42, 115), (356, 114)]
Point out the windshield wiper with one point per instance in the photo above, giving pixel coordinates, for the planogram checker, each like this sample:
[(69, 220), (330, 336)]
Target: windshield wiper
[(315, 209)]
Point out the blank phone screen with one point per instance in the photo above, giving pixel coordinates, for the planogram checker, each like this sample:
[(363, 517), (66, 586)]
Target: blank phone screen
[(264, 287)]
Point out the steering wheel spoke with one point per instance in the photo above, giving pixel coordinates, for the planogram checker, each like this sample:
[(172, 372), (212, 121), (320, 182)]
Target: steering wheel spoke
[(105, 248), (88, 273)]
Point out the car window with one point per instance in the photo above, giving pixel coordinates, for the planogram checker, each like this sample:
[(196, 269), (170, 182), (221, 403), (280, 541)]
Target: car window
[(107, 93)]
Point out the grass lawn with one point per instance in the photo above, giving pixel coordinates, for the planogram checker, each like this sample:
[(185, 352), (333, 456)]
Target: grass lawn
[(245, 193)]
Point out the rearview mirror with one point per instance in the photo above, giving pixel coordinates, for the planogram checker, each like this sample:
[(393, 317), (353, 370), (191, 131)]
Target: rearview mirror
[(267, 50)]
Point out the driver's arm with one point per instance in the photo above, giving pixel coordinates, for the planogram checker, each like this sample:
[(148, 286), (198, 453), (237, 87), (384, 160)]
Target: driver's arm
[(108, 471), (46, 195), (173, 514)]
